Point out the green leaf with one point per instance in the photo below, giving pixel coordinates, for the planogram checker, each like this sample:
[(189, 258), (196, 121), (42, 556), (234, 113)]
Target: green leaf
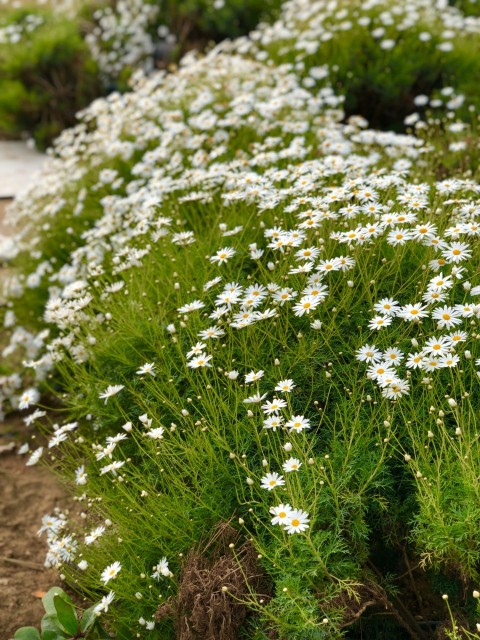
[(26, 633), (66, 615), (100, 631), (89, 618), (51, 629), (53, 635), (48, 599)]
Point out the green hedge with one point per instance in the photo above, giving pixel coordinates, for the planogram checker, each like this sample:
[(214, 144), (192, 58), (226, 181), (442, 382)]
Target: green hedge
[(47, 76)]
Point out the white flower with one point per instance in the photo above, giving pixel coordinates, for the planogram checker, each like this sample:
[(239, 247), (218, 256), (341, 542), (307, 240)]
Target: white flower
[(282, 514), (191, 306), (80, 475), (94, 535), (147, 368), (161, 569), (379, 322), (156, 434), (223, 255), (104, 603), (273, 406), (273, 422), (368, 353), (255, 399), (202, 360), (297, 522), (254, 376), (285, 386), (35, 457), (110, 572), (28, 397), (272, 480), (298, 423), (110, 391), (292, 464), (196, 350), (113, 467)]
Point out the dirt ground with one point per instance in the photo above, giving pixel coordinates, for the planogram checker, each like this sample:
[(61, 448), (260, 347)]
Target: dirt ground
[(26, 494)]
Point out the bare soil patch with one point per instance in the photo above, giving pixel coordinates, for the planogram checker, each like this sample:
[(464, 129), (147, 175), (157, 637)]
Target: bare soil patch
[(26, 494)]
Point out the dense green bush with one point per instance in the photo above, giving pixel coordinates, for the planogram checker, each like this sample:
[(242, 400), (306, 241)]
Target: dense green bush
[(47, 74), (215, 20)]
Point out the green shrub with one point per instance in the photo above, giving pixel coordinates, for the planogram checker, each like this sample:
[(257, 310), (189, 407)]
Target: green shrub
[(47, 75), (207, 20)]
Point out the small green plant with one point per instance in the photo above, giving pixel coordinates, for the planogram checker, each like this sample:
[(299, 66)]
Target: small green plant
[(62, 620)]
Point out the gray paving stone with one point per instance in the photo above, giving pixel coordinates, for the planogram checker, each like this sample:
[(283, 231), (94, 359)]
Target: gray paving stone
[(19, 166)]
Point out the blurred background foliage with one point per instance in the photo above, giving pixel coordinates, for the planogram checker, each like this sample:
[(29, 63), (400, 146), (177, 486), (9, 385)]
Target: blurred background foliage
[(55, 59)]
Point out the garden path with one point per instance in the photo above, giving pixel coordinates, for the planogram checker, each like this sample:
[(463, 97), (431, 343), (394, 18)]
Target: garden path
[(18, 166)]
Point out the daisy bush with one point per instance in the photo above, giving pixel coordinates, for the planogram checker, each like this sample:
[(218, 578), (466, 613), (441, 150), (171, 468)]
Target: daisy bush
[(259, 312), (388, 59)]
